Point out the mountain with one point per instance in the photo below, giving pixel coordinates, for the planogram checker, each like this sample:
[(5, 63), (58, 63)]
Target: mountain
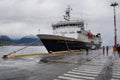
[(5, 40), (26, 40), (4, 37)]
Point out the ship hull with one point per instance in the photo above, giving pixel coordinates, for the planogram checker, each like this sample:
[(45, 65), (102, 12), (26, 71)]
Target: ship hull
[(58, 43)]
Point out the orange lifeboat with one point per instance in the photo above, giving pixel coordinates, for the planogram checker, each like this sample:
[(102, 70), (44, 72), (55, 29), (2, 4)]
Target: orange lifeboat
[(89, 34)]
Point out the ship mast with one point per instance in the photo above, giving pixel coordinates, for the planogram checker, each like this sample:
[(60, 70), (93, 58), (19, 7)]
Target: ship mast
[(67, 13)]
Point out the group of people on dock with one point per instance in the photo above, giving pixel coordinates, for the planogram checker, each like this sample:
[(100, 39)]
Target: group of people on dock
[(105, 49), (115, 49)]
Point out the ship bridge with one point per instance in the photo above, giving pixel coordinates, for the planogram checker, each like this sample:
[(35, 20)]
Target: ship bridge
[(68, 28), (63, 24)]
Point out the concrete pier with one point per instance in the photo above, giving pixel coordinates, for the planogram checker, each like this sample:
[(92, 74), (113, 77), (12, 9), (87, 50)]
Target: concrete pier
[(69, 66)]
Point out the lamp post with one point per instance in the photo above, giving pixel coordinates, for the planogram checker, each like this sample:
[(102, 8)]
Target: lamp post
[(115, 30)]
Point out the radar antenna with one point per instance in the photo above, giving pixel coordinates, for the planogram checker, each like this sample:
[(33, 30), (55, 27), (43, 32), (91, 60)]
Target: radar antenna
[(67, 13)]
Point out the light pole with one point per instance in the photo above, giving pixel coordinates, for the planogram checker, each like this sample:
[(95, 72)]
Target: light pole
[(115, 30)]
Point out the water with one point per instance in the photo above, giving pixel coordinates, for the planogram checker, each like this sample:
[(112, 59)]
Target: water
[(28, 50), (20, 61)]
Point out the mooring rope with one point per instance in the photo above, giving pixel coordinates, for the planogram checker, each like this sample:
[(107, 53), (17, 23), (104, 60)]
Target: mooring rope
[(13, 52)]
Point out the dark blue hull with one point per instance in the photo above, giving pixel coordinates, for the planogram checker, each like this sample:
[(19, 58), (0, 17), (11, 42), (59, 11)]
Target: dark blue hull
[(58, 43)]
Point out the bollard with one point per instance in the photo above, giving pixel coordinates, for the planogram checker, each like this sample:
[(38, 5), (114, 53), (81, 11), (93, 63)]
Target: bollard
[(5, 56)]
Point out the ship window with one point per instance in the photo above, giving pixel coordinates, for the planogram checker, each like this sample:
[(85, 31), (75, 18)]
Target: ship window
[(78, 31), (92, 42), (70, 24), (65, 24), (61, 25), (72, 32), (73, 24)]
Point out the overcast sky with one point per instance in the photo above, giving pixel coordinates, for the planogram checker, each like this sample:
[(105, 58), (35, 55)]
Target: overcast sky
[(24, 17)]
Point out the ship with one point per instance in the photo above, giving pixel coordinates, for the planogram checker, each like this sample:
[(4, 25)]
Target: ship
[(70, 35)]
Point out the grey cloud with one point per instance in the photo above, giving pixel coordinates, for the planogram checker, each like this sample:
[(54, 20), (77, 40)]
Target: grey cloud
[(31, 15)]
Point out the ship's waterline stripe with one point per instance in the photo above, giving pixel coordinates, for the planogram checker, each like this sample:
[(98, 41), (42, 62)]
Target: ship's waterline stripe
[(47, 37), (60, 39)]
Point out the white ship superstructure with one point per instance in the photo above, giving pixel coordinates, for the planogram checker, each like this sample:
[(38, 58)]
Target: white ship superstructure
[(70, 35)]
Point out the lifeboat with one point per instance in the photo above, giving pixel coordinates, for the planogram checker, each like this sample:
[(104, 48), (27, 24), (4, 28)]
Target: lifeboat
[(89, 34)]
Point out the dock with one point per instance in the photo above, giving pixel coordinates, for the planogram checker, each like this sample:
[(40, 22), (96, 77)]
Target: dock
[(68, 66)]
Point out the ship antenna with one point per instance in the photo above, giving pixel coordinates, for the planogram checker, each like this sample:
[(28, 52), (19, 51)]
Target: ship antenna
[(39, 31), (67, 13)]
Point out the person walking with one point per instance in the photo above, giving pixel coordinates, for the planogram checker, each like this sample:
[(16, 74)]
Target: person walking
[(107, 49), (87, 50), (115, 50), (103, 50), (87, 53)]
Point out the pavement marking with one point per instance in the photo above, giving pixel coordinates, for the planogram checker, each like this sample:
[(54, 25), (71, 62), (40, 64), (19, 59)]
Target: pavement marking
[(55, 79), (95, 64), (90, 72), (68, 78), (87, 70), (90, 66), (84, 74), (114, 79), (116, 70), (80, 77), (116, 74), (90, 69)]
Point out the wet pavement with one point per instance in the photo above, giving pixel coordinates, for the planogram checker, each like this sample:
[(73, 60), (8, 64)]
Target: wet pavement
[(69, 66)]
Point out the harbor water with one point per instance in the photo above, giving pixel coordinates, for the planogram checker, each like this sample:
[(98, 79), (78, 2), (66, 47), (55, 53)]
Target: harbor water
[(23, 60), (27, 50)]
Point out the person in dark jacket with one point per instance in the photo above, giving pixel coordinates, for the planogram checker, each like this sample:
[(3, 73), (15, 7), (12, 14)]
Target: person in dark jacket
[(118, 50), (107, 49), (87, 53), (87, 50), (103, 50)]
